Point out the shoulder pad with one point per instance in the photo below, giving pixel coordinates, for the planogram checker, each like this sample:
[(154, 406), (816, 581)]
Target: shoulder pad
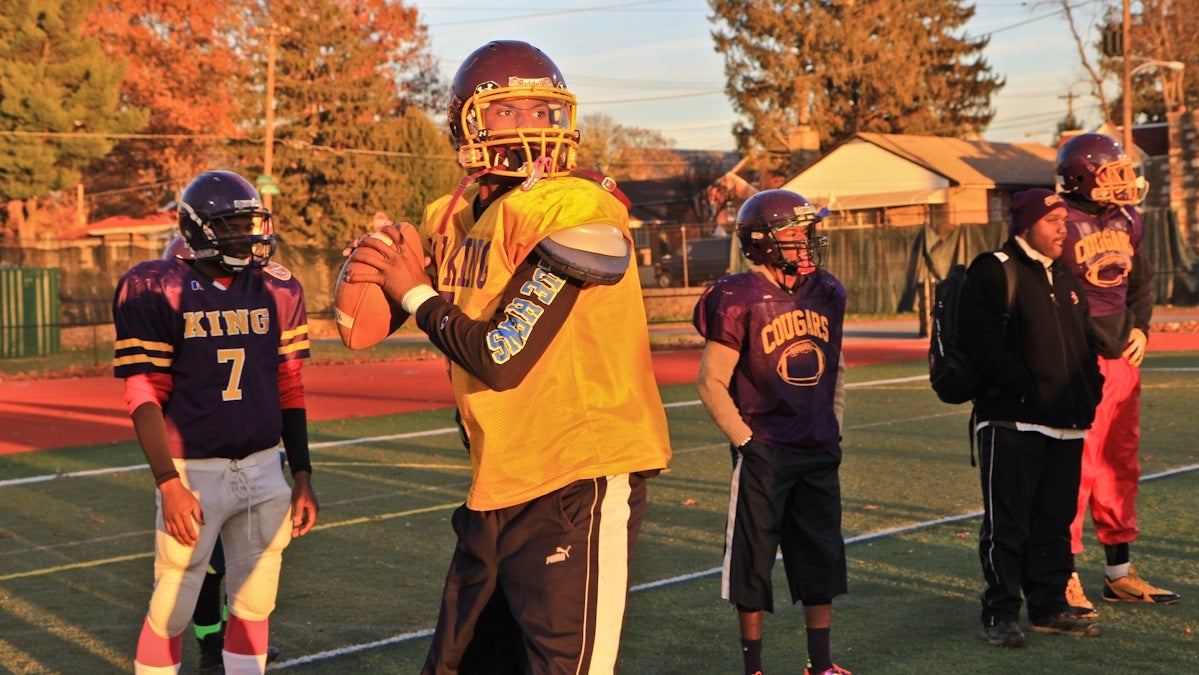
[(595, 253)]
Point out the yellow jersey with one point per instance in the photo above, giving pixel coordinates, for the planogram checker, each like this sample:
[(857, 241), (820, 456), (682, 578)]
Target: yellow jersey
[(590, 405)]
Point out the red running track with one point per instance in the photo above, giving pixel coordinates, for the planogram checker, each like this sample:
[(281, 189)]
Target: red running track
[(41, 414)]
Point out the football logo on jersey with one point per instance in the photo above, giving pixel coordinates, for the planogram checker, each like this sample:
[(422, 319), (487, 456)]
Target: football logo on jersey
[(1106, 255), (801, 364)]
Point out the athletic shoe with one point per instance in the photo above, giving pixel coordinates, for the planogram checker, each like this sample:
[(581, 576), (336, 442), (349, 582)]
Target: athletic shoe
[(272, 654), (1066, 623), (835, 670), (1133, 588), (211, 661), (1077, 599), (1004, 634)]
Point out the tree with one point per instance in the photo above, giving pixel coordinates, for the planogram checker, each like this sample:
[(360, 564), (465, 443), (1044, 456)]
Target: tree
[(1096, 77), (57, 82), (625, 153), (350, 137), (841, 67), (184, 69), (1163, 31)]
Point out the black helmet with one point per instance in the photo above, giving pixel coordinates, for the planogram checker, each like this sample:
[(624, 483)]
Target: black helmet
[(222, 219)]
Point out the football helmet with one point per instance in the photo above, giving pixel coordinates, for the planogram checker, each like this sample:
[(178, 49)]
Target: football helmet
[(1094, 167), (512, 73), (223, 220), (178, 249), (769, 211)]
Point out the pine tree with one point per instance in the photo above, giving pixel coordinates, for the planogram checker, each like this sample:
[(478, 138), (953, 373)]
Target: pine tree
[(53, 81), (846, 66)]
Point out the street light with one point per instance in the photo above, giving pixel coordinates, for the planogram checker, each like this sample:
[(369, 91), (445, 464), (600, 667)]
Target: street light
[(1129, 73), (1175, 66)]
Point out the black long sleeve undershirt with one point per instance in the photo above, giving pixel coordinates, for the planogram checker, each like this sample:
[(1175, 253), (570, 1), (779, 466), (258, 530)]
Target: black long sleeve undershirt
[(502, 350)]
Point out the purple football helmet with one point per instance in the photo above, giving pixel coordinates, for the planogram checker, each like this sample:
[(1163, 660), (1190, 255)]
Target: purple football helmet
[(506, 73), (223, 220), (767, 212), (1094, 167)]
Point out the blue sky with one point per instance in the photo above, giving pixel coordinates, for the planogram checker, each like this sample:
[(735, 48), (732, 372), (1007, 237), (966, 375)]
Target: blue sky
[(651, 63)]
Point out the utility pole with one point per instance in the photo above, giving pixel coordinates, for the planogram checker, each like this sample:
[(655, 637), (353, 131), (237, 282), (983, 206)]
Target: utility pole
[(268, 150), (1069, 97), (1125, 34), (267, 186)]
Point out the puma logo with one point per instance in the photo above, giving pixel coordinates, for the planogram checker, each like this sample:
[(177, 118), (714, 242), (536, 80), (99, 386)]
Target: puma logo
[(558, 556)]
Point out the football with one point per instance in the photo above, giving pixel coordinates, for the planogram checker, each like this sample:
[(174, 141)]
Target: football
[(363, 315)]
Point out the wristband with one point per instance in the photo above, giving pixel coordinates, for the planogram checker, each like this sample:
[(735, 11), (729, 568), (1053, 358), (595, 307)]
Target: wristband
[(159, 480), (416, 296)]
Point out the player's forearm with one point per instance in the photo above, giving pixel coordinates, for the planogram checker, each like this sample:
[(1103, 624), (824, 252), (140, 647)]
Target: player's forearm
[(724, 413), (1140, 293), (295, 440), (839, 393), (502, 350), (715, 373), (151, 430)]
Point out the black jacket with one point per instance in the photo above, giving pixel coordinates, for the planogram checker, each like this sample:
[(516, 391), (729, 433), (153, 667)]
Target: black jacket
[(1041, 368)]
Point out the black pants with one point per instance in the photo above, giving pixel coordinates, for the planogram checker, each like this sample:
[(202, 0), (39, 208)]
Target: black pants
[(1030, 494)]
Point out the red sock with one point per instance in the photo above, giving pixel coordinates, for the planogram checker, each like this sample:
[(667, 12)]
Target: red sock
[(249, 638), (157, 651)]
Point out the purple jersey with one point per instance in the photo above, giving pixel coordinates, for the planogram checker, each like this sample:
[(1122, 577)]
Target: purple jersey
[(790, 349), (1099, 250), (222, 347)]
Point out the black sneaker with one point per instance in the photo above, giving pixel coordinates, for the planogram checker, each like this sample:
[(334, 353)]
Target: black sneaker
[(1066, 623), (272, 654), (1004, 634), (211, 661)]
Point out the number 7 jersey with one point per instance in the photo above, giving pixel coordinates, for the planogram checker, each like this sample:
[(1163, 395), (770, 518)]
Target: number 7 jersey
[(222, 348)]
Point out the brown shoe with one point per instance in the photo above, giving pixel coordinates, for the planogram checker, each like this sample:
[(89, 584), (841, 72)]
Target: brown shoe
[(1066, 623), (1077, 599)]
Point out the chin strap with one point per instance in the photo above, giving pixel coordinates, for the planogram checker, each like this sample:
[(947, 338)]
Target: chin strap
[(800, 280), (462, 185)]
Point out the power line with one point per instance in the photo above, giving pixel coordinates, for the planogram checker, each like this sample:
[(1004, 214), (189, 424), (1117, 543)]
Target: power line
[(294, 145), (101, 134)]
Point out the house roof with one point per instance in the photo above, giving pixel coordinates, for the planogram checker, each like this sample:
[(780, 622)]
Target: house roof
[(149, 224), (971, 163), (870, 170)]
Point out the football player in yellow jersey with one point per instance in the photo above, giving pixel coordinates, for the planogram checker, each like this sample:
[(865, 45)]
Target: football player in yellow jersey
[(534, 304)]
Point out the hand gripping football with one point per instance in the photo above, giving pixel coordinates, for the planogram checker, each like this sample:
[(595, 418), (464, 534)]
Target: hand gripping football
[(363, 314)]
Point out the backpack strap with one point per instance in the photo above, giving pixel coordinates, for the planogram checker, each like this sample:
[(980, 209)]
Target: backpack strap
[(1009, 273)]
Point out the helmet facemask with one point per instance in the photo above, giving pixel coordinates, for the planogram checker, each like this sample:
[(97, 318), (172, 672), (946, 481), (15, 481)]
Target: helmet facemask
[(1118, 184), (513, 152), (761, 244), (809, 252), (237, 239)]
